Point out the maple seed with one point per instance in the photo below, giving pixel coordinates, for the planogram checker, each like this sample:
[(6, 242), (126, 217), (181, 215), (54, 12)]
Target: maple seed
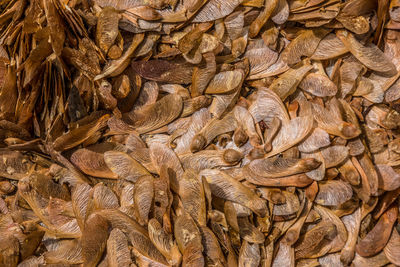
[(199, 133)]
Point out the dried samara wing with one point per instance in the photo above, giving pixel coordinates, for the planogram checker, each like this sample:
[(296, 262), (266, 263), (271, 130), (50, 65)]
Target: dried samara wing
[(371, 56), (154, 116), (199, 133), (224, 186), (303, 45), (377, 238)]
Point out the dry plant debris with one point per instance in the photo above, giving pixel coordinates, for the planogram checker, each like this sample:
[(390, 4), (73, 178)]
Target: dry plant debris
[(199, 133)]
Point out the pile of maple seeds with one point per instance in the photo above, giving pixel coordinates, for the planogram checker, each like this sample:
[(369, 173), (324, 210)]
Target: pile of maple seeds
[(199, 133)]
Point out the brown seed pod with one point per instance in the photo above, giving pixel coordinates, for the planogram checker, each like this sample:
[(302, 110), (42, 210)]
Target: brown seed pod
[(136, 234), (224, 82), (119, 65), (214, 10), (389, 179), (6, 187)]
